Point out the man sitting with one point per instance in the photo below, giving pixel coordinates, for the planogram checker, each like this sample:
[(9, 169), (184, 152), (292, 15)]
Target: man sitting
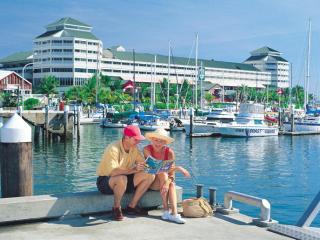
[(121, 170)]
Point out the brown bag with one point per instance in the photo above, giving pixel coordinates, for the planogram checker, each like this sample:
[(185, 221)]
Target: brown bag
[(196, 207)]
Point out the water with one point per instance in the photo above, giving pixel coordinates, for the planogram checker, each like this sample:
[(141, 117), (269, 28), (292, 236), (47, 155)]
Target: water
[(283, 170)]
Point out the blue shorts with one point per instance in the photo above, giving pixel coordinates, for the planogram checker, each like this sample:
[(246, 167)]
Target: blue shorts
[(103, 184)]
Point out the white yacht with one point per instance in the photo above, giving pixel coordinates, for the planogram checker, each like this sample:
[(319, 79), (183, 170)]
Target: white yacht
[(207, 126), (250, 122)]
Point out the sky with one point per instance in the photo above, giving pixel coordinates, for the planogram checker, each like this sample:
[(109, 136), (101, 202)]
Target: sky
[(228, 30)]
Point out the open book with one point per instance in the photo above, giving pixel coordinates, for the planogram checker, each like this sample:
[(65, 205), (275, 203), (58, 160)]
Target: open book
[(154, 166)]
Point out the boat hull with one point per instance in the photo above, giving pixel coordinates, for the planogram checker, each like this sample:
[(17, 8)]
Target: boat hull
[(247, 131), (303, 127), (201, 129), (113, 125), (146, 127)]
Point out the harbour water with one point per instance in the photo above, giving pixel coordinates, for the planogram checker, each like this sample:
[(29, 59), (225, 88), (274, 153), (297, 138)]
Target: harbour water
[(285, 170)]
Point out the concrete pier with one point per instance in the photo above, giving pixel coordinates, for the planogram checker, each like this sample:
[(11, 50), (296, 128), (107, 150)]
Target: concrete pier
[(101, 226), (21, 209)]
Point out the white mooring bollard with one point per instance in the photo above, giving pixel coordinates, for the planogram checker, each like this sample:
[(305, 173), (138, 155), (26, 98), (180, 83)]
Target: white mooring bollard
[(16, 158)]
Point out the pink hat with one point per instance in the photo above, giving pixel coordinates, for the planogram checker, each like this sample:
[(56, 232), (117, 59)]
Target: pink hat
[(133, 131)]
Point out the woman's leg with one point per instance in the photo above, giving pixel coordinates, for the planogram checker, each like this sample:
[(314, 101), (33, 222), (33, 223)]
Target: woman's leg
[(163, 178), (173, 198)]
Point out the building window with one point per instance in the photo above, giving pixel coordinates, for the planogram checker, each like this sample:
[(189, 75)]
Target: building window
[(80, 70), (67, 41), (68, 50), (61, 69)]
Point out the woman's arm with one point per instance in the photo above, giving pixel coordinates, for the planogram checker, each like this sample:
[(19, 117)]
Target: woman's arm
[(182, 170)]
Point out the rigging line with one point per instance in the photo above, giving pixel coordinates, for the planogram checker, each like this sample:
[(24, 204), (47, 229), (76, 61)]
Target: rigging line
[(193, 46), (175, 70), (302, 72)]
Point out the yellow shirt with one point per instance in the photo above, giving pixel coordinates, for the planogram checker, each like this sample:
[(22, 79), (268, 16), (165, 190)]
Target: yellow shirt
[(115, 156)]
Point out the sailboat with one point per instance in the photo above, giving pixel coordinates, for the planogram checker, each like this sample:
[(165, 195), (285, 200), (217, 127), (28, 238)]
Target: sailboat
[(311, 121)]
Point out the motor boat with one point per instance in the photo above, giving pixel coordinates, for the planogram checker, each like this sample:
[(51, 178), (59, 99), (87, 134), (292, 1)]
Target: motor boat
[(250, 122)]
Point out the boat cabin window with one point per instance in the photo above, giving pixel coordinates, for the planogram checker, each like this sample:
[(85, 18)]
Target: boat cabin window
[(258, 121)]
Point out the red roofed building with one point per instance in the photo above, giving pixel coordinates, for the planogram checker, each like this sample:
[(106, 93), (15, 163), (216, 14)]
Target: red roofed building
[(128, 86), (11, 81)]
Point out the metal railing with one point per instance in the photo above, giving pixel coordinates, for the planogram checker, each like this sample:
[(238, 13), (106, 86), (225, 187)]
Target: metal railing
[(311, 212), (263, 204)]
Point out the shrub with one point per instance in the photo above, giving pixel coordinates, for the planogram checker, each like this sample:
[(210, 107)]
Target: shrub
[(31, 103)]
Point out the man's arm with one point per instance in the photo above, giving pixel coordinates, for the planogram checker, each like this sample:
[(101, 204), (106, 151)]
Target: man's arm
[(120, 171)]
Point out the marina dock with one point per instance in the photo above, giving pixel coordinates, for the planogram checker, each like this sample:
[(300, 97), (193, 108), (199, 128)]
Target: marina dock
[(235, 227), (300, 133)]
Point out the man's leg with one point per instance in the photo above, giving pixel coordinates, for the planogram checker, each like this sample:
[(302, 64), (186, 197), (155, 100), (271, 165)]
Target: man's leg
[(118, 184), (142, 181)]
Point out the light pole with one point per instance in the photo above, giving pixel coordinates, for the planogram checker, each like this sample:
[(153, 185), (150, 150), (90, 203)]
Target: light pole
[(23, 69)]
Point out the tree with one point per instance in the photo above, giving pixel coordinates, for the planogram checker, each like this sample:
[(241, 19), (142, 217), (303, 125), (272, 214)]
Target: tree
[(89, 90), (104, 95), (48, 85), (208, 97), (9, 100), (186, 91), (75, 93), (1, 98)]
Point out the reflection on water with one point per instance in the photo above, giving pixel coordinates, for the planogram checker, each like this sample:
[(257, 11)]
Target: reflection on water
[(283, 170)]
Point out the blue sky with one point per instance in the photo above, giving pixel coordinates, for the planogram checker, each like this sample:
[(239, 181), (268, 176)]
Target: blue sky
[(228, 30)]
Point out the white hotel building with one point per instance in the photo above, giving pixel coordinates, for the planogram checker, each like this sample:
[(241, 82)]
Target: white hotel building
[(69, 51)]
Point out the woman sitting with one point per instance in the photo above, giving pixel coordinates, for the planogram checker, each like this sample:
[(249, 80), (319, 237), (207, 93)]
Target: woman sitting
[(164, 181)]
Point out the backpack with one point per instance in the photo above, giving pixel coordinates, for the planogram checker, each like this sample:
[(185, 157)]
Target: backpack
[(196, 207)]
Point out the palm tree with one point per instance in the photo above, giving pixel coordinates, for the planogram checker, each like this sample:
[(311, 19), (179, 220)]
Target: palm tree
[(75, 93), (48, 85), (104, 95), (89, 89)]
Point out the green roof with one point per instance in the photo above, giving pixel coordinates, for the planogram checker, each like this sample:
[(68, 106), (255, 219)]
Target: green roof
[(19, 56), (264, 50), (70, 33), (148, 57), (67, 21), (260, 57)]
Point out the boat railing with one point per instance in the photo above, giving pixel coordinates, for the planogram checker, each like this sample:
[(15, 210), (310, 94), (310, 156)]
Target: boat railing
[(263, 204)]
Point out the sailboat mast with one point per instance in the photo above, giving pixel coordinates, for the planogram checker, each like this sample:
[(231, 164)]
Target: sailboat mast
[(201, 89), (290, 89), (153, 84), (98, 72), (168, 86), (134, 80), (306, 89), (196, 73)]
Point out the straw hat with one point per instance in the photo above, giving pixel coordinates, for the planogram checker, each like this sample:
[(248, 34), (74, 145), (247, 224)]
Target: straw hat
[(160, 133)]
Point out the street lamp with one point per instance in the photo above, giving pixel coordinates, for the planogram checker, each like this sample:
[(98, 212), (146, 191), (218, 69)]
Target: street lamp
[(23, 69)]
